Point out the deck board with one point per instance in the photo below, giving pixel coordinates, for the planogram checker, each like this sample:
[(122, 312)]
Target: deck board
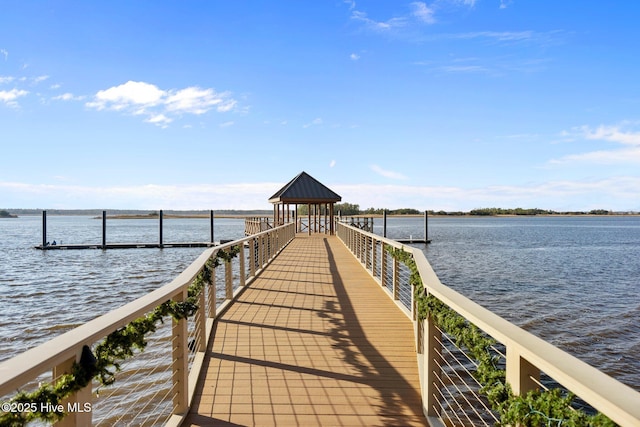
[(313, 340)]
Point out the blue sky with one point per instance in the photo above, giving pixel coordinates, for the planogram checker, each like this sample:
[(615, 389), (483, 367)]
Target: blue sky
[(443, 104)]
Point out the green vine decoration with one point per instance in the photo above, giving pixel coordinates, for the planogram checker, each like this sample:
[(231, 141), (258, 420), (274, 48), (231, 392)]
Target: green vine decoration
[(535, 408), (44, 404)]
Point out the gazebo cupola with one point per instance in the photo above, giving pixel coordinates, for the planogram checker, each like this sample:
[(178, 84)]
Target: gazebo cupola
[(305, 190)]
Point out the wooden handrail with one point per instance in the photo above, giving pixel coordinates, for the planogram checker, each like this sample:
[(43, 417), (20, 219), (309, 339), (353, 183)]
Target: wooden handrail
[(616, 400), (60, 351)]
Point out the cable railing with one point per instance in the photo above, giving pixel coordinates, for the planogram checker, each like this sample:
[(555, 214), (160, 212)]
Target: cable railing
[(452, 393), (154, 386)]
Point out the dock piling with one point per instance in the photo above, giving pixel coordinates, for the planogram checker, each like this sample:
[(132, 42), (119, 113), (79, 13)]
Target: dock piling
[(160, 227), (426, 224), (44, 228), (384, 223), (211, 225), (104, 229)]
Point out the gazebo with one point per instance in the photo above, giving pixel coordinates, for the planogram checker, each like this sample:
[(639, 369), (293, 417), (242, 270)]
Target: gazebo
[(305, 190)]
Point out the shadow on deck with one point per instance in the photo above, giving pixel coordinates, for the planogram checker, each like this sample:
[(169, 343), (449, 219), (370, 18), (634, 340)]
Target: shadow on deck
[(313, 340)]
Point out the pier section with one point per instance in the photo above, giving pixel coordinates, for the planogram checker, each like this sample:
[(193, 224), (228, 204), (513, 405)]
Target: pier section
[(314, 340)]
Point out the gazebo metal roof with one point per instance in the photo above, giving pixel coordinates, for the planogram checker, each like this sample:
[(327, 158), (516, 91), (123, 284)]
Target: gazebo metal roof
[(304, 189)]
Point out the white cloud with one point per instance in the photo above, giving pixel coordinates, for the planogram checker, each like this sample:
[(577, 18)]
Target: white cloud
[(603, 157), (150, 196), (388, 174), (613, 134), (160, 120), (628, 154), (616, 193), (40, 79), (422, 12), (127, 95), (315, 122), (4, 53), (197, 101), (505, 3), (141, 98), (501, 36), (9, 97), (67, 97), (378, 26), (354, 56), (464, 69), (6, 79), (227, 124), (332, 163)]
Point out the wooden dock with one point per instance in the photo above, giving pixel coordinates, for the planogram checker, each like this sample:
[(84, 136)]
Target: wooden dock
[(126, 245), (314, 340)]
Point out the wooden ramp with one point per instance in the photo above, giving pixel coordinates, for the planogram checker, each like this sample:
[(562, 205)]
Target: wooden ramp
[(313, 341)]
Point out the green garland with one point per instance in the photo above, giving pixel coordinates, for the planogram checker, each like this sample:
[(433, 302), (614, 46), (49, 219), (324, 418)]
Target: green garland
[(110, 353), (535, 408)]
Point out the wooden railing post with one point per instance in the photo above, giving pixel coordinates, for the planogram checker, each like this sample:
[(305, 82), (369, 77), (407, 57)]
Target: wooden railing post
[(180, 365), (374, 258), (365, 252), (77, 413), (521, 374), (432, 365), (243, 273), (259, 253), (212, 310), (201, 324), (276, 242), (395, 290), (252, 257), (228, 279), (355, 238), (383, 267)]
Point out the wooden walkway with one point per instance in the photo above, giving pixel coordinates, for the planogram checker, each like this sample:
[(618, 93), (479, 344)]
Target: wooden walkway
[(313, 341)]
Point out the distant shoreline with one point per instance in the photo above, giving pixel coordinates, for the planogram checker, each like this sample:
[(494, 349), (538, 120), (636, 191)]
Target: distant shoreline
[(172, 214), (6, 214), (185, 216), (378, 216), (467, 215)]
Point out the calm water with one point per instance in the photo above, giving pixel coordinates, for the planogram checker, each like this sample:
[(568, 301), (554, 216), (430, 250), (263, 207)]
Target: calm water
[(573, 281), (45, 293)]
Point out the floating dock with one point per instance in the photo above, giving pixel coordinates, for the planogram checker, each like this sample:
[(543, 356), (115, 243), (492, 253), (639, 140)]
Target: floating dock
[(104, 245), (411, 240), (128, 246)]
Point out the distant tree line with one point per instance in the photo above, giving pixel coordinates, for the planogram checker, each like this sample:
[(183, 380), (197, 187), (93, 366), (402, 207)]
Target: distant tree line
[(6, 214), (345, 209), (402, 211), (351, 209), (534, 211), (94, 212)]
